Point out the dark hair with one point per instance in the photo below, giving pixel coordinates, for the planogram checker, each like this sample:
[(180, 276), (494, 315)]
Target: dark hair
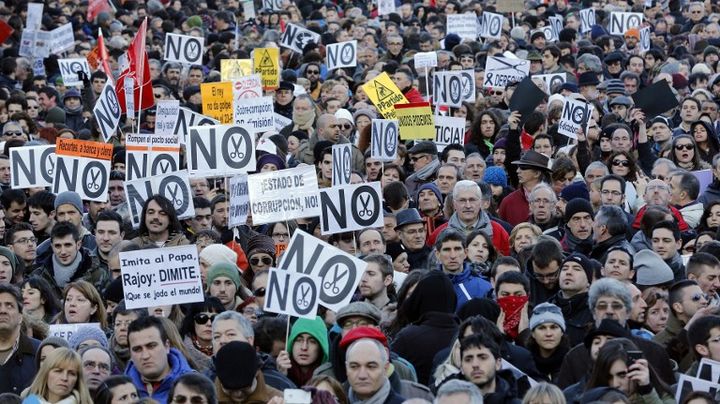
[(64, 229), (211, 304), (653, 215), (395, 194), (14, 292), (116, 175), (167, 207), (534, 121), (480, 341), (104, 394), (450, 147), (503, 261), (676, 291), (449, 234), (667, 224), (145, 322), (52, 304), (544, 252), (512, 277), (492, 252), (268, 330), (699, 332), (44, 200), (198, 383), (10, 233), (693, 395), (110, 216), (200, 202), (696, 150), (632, 169), (122, 310), (613, 177), (9, 196)]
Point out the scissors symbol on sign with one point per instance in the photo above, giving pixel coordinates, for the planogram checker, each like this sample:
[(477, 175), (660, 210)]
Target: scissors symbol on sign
[(332, 286), (512, 66), (302, 301), (94, 175), (237, 154), (174, 196), (365, 211)]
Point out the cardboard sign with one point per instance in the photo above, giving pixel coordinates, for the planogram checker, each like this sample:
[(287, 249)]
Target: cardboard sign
[(587, 20), (33, 20), (280, 121), (425, 60), (266, 61), (464, 25), (384, 139), (235, 69), (69, 69), (501, 71), (291, 293), (129, 85), (217, 101), (255, 114), (415, 121), (551, 80), (341, 164), (621, 22), (187, 118), (526, 97), (185, 49), (384, 94), (547, 31), (709, 370), (644, 43), (107, 111), (161, 276), (281, 195), (510, 6), (350, 207), (449, 130), (174, 186), (343, 54), (491, 25), (386, 7), (249, 86), (220, 151), (688, 384), (453, 88), (32, 166), (62, 38), (83, 167), (166, 116), (575, 115), (705, 177), (148, 161), (65, 331), (239, 201), (655, 99), (297, 38), (272, 4), (339, 271)]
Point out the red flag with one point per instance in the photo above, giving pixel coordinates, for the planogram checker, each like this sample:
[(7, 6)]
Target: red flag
[(139, 70), (96, 7), (5, 31), (103, 55)]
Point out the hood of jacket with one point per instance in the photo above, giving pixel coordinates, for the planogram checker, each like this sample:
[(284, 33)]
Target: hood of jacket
[(178, 367), (434, 292), (316, 328)]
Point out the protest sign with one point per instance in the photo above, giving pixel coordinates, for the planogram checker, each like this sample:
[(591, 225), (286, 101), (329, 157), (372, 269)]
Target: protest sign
[(526, 97), (220, 151), (688, 384), (166, 116), (655, 99), (280, 121), (149, 160), (501, 71), (83, 167), (107, 111), (234, 69), (33, 20), (621, 22), (548, 32), (453, 88), (32, 166), (449, 130), (343, 54), (341, 164), (464, 25), (291, 293), (551, 80), (62, 39), (129, 86), (217, 101), (415, 121), (575, 115), (384, 94), (249, 86), (174, 186), (266, 61), (386, 7), (339, 271), (69, 69), (705, 177), (255, 114), (161, 276), (350, 207), (556, 22), (425, 60), (272, 4), (297, 38), (709, 370), (281, 195), (65, 331), (187, 118), (510, 6), (185, 49), (587, 20), (239, 201), (644, 43), (491, 25), (384, 139)]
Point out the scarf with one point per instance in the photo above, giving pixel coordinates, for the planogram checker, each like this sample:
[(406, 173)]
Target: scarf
[(378, 398), (512, 307), (483, 223), (428, 171), (303, 120), (207, 351), (63, 273), (573, 243)]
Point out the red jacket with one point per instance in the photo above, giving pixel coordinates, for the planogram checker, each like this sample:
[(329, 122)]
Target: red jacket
[(515, 208), (682, 224), (413, 95), (500, 237)]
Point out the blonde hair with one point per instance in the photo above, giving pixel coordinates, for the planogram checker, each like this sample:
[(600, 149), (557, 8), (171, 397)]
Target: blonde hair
[(60, 358), (524, 225), (88, 290), (544, 390)]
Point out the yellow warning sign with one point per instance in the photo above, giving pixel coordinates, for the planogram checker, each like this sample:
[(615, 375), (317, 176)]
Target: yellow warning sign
[(217, 100), (234, 69), (384, 94), (415, 120), (266, 61)]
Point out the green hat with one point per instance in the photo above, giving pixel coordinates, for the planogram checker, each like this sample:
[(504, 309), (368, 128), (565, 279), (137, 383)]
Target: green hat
[(316, 328), (194, 21), (4, 251), (534, 56), (224, 269)]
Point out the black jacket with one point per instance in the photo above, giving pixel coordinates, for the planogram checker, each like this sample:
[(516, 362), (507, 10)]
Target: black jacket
[(19, 370), (577, 314), (506, 390)]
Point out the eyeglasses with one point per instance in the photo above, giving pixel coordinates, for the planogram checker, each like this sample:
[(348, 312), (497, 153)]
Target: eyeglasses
[(467, 59), (180, 399), (281, 235), (684, 146), (349, 325), (624, 163), (202, 318), (346, 126), (315, 72), (608, 192), (33, 107), (30, 240), (615, 306), (541, 201), (90, 365), (659, 177), (249, 311), (395, 43), (265, 261), (547, 277), (259, 292), (414, 231), (13, 134), (496, 92)]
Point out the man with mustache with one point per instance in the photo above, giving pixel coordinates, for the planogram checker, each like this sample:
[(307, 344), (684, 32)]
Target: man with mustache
[(159, 225)]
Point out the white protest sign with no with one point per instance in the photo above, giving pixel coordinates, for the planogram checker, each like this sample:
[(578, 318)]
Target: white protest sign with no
[(107, 111), (587, 20), (556, 22), (281, 195), (150, 161), (621, 22), (386, 7), (255, 114), (644, 43), (87, 176), (551, 80), (65, 331), (185, 49), (464, 25), (32, 166), (687, 384), (449, 130), (341, 164), (339, 271), (575, 115), (709, 370), (491, 25), (174, 186), (384, 139), (297, 37), (350, 207), (343, 54), (501, 71), (220, 151), (69, 69), (161, 276), (292, 293), (239, 201), (187, 118), (166, 115), (425, 60), (453, 88)]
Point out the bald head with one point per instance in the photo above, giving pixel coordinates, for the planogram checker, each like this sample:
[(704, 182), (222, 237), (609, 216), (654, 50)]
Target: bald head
[(327, 128)]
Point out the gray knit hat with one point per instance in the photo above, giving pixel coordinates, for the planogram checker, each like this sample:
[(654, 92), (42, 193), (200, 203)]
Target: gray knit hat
[(547, 313), (87, 333), (359, 309), (650, 269), (69, 197)]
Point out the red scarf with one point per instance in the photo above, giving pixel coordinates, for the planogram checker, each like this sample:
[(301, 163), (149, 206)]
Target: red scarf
[(512, 307)]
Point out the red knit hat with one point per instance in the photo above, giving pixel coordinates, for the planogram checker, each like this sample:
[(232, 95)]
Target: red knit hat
[(363, 332)]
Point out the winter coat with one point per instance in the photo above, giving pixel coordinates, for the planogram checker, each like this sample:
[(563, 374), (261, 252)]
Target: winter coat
[(174, 240), (262, 394), (413, 95), (468, 286), (599, 251), (506, 390), (711, 194), (44, 249), (577, 314), (676, 264), (675, 340), (316, 328), (88, 270), (500, 237), (692, 213), (178, 367), (515, 207), (19, 370)]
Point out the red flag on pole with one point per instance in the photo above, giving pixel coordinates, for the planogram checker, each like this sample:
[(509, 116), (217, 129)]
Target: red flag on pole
[(139, 70), (96, 7), (103, 56)]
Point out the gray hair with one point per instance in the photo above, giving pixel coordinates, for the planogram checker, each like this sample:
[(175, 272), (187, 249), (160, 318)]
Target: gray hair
[(466, 185), (613, 217), (243, 324), (460, 387), (609, 287), (667, 162), (543, 187), (383, 351), (596, 165)]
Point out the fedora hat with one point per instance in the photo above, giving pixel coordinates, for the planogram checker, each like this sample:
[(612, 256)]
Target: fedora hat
[(407, 216), (534, 159)]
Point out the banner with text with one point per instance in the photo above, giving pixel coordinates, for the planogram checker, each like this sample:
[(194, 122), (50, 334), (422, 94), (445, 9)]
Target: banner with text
[(281, 195)]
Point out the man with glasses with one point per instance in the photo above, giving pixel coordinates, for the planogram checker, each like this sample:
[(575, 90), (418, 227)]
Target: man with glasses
[(20, 239), (13, 131), (704, 269), (97, 366), (394, 45), (542, 207), (425, 162), (413, 235), (312, 73)]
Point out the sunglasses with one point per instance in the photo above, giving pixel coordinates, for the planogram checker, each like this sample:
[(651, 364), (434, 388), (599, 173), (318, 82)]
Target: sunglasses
[(13, 133), (312, 71), (259, 292), (496, 92), (624, 163), (346, 126), (698, 296), (192, 399), (683, 146), (202, 318), (416, 158), (265, 261), (659, 177)]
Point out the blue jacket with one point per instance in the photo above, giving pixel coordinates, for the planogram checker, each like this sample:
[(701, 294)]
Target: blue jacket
[(468, 286), (178, 367)]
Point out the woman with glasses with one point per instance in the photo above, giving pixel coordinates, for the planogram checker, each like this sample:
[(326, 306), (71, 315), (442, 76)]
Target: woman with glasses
[(196, 330), (686, 155), (261, 253), (625, 165), (192, 388), (59, 380), (282, 232)]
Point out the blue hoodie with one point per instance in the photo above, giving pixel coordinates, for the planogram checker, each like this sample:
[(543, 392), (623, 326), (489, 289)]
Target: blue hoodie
[(178, 367), (468, 286)]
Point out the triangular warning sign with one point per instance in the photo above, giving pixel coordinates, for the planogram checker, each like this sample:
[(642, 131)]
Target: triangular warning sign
[(266, 61), (382, 92)]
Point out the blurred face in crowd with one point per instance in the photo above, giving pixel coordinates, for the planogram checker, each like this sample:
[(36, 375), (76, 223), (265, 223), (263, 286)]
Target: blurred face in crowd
[(617, 265), (479, 366)]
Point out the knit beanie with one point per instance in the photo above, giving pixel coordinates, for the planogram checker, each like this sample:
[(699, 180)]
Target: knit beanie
[(500, 143), (270, 159), (597, 31), (225, 269), (194, 21), (547, 313), (217, 253), (394, 249), (55, 115), (69, 197), (575, 190), (584, 262), (431, 186), (7, 253), (650, 269), (87, 333), (577, 205), (56, 342), (260, 243), (495, 175), (615, 86)]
